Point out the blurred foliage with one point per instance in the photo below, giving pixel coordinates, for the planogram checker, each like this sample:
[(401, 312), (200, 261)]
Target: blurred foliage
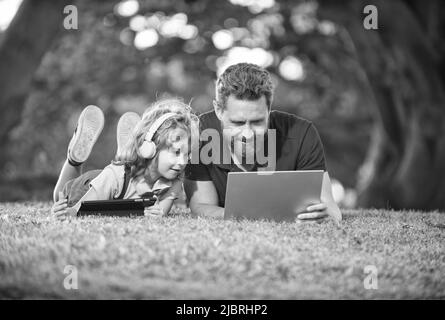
[(99, 64)]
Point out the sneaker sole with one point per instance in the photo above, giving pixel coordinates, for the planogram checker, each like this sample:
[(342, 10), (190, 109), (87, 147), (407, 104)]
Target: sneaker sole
[(125, 126), (90, 124)]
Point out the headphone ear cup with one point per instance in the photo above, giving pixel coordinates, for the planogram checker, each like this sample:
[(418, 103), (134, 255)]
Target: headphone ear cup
[(147, 149)]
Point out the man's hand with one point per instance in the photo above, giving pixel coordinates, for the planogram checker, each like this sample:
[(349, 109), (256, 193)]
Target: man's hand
[(327, 206), (153, 211), (320, 211), (315, 211)]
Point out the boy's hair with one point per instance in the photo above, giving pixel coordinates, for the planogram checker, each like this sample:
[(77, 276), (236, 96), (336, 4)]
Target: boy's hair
[(245, 81), (185, 120)]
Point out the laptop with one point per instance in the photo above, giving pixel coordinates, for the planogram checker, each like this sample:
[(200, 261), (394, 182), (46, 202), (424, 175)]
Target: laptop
[(116, 208), (271, 195)]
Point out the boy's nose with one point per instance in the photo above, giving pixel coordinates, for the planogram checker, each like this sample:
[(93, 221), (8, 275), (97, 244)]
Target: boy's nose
[(182, 161)]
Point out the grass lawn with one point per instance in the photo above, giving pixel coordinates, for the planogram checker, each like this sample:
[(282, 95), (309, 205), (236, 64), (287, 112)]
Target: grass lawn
[(180, 257)]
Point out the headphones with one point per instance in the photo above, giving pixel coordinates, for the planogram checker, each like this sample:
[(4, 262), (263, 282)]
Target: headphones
[(148, 147)]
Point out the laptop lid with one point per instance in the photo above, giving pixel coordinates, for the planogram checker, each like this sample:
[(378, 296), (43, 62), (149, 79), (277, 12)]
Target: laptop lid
[(271, 195)]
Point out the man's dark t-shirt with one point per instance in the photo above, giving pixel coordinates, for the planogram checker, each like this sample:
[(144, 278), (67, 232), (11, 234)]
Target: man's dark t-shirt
[(298, 147)]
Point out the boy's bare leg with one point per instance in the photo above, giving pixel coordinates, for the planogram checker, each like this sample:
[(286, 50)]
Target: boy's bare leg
[(67, 173), (89, 127), (127, 122)]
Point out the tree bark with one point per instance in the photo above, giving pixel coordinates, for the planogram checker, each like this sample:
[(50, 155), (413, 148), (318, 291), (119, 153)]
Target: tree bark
[(405, 167), (30, 34)]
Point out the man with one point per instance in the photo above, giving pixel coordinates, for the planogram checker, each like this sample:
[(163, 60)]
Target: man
[(242, 113)]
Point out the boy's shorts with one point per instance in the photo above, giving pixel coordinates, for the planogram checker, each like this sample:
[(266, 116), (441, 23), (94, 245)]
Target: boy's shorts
[(76, 188)]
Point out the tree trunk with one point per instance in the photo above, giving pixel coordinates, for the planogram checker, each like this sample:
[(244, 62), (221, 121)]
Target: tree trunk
[(405, 167), (29, 36)]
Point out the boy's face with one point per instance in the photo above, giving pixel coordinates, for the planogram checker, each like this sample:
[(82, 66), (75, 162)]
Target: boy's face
[(243, 120), (173, 159)]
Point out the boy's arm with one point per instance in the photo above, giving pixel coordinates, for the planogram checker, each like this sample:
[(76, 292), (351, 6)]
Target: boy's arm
[(90, 195), (165, 205), (160, 208)]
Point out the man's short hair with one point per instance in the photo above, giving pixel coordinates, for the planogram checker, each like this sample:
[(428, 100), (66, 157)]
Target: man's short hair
[(245, 81)]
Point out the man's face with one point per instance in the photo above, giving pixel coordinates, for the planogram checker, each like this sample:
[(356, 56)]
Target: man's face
[(242, 120)]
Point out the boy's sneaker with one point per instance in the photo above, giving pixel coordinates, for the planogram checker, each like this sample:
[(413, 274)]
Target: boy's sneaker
[(89, 126), (127, 122)]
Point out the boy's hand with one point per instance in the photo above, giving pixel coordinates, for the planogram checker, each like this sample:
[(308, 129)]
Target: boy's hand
[(60, 209), (59, 206), (153, 211), (68, 212)]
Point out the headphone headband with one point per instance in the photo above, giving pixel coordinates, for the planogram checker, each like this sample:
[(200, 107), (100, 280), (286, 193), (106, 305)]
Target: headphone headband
[(157, 124)]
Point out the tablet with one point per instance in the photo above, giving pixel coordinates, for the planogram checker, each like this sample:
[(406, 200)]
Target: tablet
[(117, 208), (273, 195)]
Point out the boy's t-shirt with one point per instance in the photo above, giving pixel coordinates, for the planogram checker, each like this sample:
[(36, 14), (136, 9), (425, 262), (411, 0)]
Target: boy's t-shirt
[(110, 182)]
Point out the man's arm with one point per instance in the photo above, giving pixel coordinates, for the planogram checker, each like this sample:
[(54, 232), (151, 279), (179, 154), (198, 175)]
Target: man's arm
[(326, 197), (203, 198)]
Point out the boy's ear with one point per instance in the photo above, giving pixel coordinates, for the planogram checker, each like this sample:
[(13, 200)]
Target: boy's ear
[(218, 109)]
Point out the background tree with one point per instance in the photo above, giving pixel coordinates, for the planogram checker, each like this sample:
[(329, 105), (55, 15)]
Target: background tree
[(31, 33), (327, 67), (404, 63)]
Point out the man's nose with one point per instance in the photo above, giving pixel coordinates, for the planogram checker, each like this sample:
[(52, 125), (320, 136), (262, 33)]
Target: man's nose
[(247, 132)]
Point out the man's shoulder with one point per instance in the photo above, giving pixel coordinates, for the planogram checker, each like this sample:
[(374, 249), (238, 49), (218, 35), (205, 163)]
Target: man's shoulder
[(208, 120), (288, 124), (282, 116)]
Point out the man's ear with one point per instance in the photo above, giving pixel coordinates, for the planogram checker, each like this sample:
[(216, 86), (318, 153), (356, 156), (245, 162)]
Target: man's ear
[(218, 109)]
